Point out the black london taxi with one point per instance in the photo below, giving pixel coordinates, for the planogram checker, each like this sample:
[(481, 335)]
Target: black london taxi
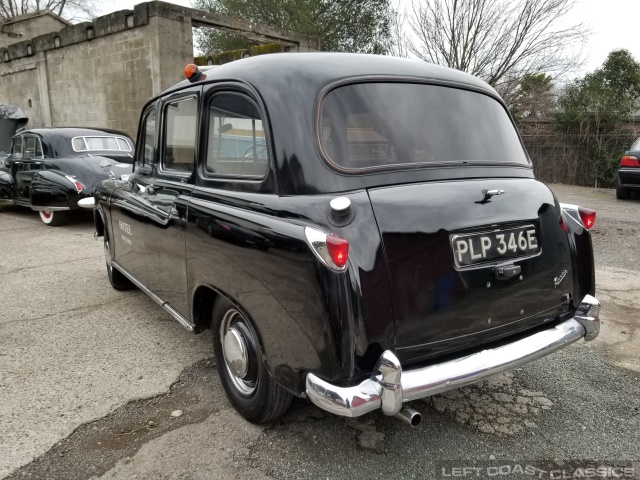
[(361, 231), (55, 170)]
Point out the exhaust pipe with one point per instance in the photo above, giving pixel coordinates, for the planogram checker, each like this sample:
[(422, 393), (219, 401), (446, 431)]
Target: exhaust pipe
[(410, 416)]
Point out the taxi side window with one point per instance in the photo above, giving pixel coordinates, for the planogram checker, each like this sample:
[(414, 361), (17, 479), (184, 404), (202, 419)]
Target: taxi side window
[(180, 127), (237, 143), (149, 140), (16, 148)]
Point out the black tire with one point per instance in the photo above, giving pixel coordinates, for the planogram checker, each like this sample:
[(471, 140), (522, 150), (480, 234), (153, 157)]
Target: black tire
[(117, 280), (622, 193), (53, 219), (256, 396)]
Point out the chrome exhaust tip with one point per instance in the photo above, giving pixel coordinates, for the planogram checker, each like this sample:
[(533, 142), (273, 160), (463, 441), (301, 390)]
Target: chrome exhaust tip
[(410, 416)]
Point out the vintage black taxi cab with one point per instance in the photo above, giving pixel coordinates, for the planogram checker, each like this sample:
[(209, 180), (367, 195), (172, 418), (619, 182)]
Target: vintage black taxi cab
[(361, 231)]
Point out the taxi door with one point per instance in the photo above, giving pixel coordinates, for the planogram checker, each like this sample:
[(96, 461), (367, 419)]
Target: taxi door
[(165, 195)]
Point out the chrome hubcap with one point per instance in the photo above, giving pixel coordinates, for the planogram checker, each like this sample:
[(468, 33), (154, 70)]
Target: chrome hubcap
[(235, 352), (238, 349)]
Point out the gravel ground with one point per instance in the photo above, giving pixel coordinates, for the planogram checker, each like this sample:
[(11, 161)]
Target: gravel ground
[(89, 378)]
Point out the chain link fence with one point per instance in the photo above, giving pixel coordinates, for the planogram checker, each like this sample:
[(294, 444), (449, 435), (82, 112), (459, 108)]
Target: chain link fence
[(576, 157)]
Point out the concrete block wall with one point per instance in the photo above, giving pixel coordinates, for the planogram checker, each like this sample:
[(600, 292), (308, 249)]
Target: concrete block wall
[(19, 85), (101, 73), (101, 83), (35, 26), (96, 74)]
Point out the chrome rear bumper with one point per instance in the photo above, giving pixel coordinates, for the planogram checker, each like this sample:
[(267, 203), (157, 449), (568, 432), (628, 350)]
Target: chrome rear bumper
[(388, 387)]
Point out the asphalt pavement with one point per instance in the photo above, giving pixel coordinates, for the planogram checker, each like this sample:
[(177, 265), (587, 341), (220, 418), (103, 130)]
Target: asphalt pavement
[(96, 383)]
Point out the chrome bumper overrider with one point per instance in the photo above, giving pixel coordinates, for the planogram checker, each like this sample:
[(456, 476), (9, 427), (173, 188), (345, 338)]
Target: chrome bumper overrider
[(388, 387)]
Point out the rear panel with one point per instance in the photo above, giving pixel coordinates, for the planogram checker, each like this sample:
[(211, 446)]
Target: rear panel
[(441, 302)]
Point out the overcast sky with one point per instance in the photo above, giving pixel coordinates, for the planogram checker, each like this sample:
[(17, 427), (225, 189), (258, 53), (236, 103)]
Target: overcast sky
[(613, 23)]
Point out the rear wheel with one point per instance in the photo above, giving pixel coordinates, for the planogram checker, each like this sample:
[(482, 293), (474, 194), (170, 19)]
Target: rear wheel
[(249, 387), (53, 219), (622, 193), (117, 280)]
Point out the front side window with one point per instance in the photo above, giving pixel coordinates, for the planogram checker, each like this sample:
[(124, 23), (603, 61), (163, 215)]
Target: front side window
[(237, 143), (398, 125), (181, 117), (16, 148), (32, 147)]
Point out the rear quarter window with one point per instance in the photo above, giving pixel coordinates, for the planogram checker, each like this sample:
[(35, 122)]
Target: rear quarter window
[(398, 125)]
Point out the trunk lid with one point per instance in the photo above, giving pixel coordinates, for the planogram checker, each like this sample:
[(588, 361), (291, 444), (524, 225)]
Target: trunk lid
[(106, 164), (431, 231)]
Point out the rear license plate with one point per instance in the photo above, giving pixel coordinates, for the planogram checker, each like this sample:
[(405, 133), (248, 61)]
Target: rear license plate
[(475, 248)]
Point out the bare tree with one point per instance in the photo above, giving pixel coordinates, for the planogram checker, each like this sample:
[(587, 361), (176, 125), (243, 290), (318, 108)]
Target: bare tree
[(501, 41), (399, 39), (69, 9)]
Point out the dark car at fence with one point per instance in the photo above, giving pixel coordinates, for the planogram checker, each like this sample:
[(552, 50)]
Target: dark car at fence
[(357, 230), (56, 170), (629, 172)]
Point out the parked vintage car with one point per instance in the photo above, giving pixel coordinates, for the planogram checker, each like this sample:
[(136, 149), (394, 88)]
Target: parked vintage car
[(358, 230), (629, 172), (52, 170)]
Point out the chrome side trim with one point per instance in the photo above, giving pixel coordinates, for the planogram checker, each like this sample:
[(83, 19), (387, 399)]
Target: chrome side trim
[(49, 209), (178, 317), (389, 386), (137, 283), (168, 308)]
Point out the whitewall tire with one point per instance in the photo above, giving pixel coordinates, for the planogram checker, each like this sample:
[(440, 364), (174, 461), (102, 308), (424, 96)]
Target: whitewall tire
[(52, 219)]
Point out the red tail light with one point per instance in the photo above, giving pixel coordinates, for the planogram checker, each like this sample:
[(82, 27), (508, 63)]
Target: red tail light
[(629, 161), (330, 249), (338, 249), (75, 182), (587, 216)]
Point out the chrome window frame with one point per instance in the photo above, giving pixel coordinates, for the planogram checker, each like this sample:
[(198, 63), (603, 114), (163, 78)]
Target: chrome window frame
[(266, 136), (162, 146), (115, 137)]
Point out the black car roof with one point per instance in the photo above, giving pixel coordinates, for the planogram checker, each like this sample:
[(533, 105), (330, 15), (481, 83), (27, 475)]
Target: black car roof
[(314, 70), (70, 132)]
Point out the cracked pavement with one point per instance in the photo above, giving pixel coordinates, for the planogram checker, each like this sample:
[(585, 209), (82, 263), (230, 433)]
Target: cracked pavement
[(89, 377)]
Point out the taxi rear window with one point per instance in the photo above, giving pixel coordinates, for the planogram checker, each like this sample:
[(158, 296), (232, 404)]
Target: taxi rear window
[(394, 125)]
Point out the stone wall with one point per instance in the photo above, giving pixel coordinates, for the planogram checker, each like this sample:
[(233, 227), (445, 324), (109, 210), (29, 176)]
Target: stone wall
[(102, 83), (20, 86), (101, 73), (34, 25)]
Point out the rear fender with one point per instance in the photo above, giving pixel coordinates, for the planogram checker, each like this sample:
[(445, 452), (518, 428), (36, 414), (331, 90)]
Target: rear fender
[(264, 265), (584, 276), (50, 188)]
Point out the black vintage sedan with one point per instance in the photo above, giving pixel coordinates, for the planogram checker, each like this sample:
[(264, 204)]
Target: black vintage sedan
[(629, 172), (361, 231), (55, 170)]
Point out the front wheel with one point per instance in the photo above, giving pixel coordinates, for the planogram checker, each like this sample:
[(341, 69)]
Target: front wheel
[(117, 280), (53, 219), (250, 389)]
